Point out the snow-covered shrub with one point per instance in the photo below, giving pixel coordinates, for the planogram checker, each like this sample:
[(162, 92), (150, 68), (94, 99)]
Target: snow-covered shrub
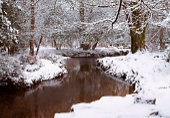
[(24, 70), (45, 68), (9, 27), (10, 71)]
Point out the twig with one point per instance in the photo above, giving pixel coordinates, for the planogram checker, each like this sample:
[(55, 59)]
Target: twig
[(120, 4)]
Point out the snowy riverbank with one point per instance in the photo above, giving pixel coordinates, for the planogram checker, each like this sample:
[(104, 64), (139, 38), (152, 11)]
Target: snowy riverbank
[(23, 70), (97, 53), (151, 74)]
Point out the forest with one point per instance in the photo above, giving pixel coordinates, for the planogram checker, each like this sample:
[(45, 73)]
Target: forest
[(84, 58)]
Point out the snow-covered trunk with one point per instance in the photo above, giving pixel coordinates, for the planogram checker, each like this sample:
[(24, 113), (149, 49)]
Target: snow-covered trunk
[(137, 40), (32, 29), (137, 29), (85, 46)]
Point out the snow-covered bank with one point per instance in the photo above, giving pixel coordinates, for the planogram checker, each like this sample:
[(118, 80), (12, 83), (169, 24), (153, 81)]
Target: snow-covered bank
[(97, 53), (45, 68), (109, 107), (151, 74), (23, 70), (140, 68)]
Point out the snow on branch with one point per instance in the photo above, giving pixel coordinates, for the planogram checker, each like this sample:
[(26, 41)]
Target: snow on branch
[(120, 4)]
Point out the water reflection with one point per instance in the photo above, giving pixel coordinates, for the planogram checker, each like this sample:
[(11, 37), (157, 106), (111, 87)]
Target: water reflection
[(83, 83)]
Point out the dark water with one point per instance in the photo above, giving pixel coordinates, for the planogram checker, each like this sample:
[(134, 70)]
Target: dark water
[(83, 83)]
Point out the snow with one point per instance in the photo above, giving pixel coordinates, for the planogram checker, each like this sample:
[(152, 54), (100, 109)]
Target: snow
[(165, 22), (109, 107), (163, 104), (19, 7), (48, 70), (146, 68), (29, 70), (149, 71), (151, 74), (98, 52), (48, 66)]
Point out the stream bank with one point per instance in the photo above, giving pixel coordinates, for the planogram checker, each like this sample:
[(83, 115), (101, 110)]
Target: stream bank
[(84, 82)]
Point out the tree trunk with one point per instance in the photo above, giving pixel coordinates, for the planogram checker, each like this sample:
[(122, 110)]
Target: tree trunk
[(161, 37), (81, 11), (82, 19), (54, 44), (137, 33), (39, 45), (96, 42), (137, 40), (32, 47), (134, 41), (94, 46), (32, 29)]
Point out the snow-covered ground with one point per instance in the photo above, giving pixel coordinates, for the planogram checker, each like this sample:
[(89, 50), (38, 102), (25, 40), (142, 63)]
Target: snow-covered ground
[(22, 69), (28, 70), (109, 107), (151, 74), (44, 69), (98, 52), (48, 66)]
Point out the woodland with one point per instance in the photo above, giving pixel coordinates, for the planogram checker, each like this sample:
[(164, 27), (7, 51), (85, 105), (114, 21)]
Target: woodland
[(129, 40)]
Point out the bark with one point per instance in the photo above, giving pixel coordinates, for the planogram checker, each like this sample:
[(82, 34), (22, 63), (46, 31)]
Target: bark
[(32, 29), (82, 19), (32, 47), (81, 11), (134, 42), (161, 37), (85, 46), (137, 40), (96, 42), (54, 44), (11, 50), (39, 45), (94, 46)]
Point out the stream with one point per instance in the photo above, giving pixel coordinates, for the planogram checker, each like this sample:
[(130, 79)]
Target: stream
[(83, 83)]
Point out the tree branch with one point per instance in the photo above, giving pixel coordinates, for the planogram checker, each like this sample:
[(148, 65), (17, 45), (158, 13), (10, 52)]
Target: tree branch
[(33, 4), (146, 5), (120, 4)]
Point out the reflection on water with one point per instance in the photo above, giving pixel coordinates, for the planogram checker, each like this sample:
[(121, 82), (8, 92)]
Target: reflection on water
[(83, 83)]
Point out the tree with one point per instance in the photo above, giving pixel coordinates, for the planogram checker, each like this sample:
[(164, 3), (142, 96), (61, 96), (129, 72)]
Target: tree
[(9, 27), (90, 21), (138, 28), (32, 28), (138, 14)]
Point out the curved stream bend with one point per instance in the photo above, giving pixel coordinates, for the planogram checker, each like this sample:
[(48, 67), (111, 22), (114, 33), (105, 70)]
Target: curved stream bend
[(83, 83)]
